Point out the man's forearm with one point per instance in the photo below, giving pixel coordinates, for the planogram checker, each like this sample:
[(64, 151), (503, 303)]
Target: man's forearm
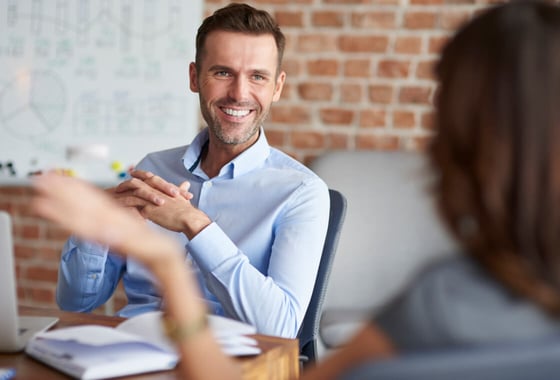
[(85, 281)]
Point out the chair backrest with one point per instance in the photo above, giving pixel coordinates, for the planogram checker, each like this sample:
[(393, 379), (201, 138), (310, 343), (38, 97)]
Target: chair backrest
[(538, 359), (390, 232), (310, 327)]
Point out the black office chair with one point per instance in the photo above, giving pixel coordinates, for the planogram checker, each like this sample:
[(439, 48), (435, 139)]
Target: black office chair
[(309, 331)]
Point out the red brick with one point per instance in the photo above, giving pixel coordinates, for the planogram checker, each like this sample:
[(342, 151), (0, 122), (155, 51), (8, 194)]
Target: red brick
[(338, 140), (376, 142), (408, 45), (425, 70), (276, 137), (435, 44), (51, 254), (23, 251), (375, 20), (403, 119), (289, 114), (373, 118), (287, 19), (337, 116), (292, 38), (315, 91), (415, 95), (21, 293), (380, 94), (42, 295), (452, 20), (323, 67), (351, 93), (7, 206), (327, 18), (16, 190), (420, 143), (420, 20), (364, 44), (357, 68), (23, 209), (346, 2), (292, 67), (28, 231), (41, 273), (426, 2), (390, 68), (317, 43), (287, 91), (307, 139)]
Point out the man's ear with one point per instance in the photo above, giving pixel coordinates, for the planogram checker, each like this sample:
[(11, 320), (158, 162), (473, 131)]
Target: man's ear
[(278, 86), (193, 83)]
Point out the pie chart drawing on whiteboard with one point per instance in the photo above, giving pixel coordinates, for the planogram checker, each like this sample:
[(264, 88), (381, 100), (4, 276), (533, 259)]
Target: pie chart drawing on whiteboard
[(33, 104)]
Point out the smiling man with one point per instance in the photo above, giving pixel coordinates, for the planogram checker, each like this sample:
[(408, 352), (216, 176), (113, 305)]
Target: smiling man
[(252, 219)]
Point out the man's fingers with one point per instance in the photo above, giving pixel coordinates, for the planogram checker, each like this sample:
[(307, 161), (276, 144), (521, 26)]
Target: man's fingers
[(156, 182), (140, 198), (138, 188), (132, 201), (184, 190), (162, 185), (128, 185), (141, 174)]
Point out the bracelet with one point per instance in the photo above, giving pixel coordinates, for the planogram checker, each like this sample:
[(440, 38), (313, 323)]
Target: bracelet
[(180, 332)]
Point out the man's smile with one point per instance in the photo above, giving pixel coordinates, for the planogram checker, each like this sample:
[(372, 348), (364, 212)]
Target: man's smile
[(235, 112)]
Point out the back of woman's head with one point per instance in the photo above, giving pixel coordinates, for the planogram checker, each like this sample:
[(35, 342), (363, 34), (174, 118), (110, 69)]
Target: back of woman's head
[(497, 146)]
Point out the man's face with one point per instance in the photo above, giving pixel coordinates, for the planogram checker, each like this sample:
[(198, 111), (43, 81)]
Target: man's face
[(237, 84)]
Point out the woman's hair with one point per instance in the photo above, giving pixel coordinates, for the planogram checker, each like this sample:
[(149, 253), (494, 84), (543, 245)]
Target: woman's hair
[(497, 146), (240, 18)]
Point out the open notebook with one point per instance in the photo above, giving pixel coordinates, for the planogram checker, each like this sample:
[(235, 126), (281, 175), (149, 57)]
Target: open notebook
[(137, 345), (15, 330)]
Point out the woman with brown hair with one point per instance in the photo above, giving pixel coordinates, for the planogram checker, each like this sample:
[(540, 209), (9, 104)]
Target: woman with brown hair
[(496, 156), (496, 160)]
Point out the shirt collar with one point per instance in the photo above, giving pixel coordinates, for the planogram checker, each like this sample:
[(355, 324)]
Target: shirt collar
[(250, 159)]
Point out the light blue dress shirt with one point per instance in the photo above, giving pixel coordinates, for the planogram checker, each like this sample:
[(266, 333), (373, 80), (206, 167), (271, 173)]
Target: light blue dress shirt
[(257, 260)]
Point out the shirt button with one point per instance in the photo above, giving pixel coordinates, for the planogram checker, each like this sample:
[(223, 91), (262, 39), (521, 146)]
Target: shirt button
[(207, 185)]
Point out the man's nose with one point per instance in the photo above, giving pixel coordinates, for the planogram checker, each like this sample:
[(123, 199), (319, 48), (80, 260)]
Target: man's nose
[(239, 89)]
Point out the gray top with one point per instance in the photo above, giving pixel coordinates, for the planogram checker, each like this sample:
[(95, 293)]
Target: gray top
[(453, 303)]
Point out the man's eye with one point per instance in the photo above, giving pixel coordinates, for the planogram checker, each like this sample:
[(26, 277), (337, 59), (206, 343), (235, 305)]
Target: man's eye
[(258, 77), (222, 74)]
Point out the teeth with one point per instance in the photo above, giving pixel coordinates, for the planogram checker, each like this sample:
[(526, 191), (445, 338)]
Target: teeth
[(236, 113)]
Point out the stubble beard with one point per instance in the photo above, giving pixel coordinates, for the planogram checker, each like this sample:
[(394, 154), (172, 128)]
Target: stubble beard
[(217, 129)]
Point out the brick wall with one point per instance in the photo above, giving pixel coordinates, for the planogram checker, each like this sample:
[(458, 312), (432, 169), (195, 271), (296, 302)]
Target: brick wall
[(359, 71), (359, 77), (37, 245)]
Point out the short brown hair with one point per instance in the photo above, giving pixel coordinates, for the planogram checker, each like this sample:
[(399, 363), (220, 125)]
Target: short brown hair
[(497, 146), (240, 18)]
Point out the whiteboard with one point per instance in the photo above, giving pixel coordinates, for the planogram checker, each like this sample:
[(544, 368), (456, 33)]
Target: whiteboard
[(107, 72)]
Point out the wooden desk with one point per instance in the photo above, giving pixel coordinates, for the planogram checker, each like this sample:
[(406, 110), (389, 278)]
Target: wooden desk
[(278, 360)]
